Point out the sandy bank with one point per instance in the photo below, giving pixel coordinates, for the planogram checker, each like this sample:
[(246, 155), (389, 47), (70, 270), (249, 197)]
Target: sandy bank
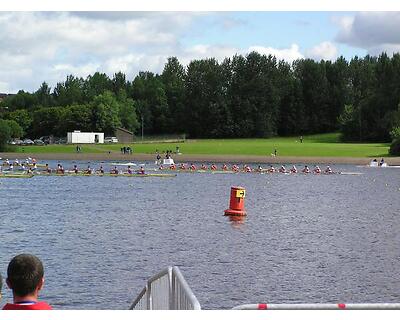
[(195, 158)]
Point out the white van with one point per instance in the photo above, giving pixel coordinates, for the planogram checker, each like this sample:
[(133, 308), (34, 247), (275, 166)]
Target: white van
[(110, 140)]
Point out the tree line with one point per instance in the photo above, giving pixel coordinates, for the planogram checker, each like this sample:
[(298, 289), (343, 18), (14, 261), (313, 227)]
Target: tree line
[(241, 97)]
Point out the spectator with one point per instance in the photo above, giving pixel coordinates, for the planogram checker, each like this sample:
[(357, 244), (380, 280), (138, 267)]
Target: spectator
[(25, 277)]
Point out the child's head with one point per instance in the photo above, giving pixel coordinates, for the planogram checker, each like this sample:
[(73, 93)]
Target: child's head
[(25, 275)]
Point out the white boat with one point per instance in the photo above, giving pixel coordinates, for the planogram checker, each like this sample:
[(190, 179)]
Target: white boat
[(165, 162), (376, 164)]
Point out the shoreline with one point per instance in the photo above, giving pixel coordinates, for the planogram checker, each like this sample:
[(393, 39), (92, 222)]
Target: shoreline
[(195, 158)]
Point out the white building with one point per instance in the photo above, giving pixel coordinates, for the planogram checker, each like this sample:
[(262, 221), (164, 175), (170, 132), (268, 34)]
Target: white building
[(85, 137)]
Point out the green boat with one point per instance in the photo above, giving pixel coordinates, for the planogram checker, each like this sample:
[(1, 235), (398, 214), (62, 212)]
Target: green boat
[(15, 175), (132, 175)]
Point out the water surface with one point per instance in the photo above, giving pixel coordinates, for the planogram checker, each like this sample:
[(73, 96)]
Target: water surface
[(306, 238)]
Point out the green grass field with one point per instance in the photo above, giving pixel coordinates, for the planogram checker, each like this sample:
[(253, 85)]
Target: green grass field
[(323, 145)]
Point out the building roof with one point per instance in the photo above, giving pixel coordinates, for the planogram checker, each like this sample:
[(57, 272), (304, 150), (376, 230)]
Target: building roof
[(124, 130)]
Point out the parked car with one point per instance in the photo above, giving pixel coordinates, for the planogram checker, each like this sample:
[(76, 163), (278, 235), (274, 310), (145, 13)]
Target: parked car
[(47, 139), (38, 142), (110, 140), (27, 142), (60, 141), (15, 142)]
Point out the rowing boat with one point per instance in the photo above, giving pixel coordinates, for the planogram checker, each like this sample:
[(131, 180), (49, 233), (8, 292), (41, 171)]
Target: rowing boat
[(39, 165), (15, 175), (132, 175)]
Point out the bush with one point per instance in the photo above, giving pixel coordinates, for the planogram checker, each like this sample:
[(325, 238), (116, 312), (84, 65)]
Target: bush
[(395, 133), (395, 148), (5, 134)]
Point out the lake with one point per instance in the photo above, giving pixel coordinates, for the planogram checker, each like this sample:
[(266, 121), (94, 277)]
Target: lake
[(306, 238)]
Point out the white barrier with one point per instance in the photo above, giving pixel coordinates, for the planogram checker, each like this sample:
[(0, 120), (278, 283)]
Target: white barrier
[(320, 306), (167, 290)]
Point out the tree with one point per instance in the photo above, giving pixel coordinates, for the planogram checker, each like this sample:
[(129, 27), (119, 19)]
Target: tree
[(76, 117), (96, 84), (395, 146), (69, 92), (22, 117), (349, 123), (105, 110), (46, 121), (205, 104), (315, 92), (119, 83), (22, 100), (173, 78), (43, 96), (15, 129), (5, 134), (127, 112), (291, 109), (149, 95)]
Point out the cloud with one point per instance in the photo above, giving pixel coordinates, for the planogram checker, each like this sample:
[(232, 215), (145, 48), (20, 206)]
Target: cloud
[(48, 46), (323, 51), (373, 31), (289, 54)]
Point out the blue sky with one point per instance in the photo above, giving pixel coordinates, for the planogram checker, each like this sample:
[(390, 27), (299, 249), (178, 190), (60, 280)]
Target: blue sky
[(48, 46)]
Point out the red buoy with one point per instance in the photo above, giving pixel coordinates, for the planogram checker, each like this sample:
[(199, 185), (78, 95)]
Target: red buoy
[(236, 204)]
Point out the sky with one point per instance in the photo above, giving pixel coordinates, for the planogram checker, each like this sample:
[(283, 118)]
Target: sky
[(38, 46)]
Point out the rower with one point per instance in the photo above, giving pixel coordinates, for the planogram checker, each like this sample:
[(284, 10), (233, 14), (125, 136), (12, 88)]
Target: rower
[(317, 170), (293, 169), (204, 167), (259, 169), (88, 170), (213, 167), (60, 169), (271, 169), (235, 168), (328, 170), (129, 170), (306, 169), (182, 166), (192, 167), (141, 170), (172, 166), (114, 170), (75, 169), (161, 167), (101, 170), (47, 168), (247, 168), (224, 167), (282, 169)]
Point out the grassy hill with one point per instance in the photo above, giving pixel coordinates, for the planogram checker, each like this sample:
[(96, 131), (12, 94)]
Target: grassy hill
[(322, 145)]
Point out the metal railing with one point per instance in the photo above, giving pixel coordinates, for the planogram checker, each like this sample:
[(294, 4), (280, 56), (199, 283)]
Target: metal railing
[(167, 290), (320, 306)]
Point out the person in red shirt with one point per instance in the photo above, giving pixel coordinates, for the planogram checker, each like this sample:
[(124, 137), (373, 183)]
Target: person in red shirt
[(25, 277)]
